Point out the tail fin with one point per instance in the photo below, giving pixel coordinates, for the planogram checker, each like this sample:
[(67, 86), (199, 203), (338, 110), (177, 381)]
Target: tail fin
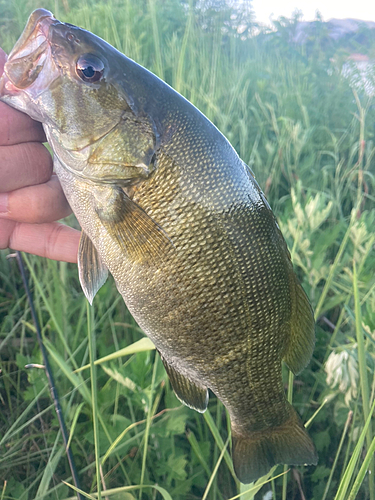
[(256, 453)]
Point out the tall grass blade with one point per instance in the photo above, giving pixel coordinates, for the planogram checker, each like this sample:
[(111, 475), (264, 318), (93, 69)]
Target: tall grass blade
[(363, 375), (80, 492), (50, 468), (117, 491), (290, 399), (74, 422), (3, 490), (343, 436), (94, 394), (155, 32), (253, 490), (76, 380), (48, 307), (219, 441), (311, 419), (148, 423), (17, 427), (365, 468), (353, 462), (196, 449), (336, 263), (181, 59), (214, 472)]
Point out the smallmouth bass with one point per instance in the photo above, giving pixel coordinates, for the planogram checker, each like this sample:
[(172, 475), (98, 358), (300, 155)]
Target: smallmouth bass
[(171, 211)]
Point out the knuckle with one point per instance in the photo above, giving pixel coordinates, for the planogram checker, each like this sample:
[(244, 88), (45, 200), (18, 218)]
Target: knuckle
[(10, 235), (25, 205), (4, 235), (51, 241), (38, 210), (38, 204)]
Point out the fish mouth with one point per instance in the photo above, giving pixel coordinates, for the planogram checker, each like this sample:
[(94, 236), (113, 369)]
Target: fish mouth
[(30, 55)]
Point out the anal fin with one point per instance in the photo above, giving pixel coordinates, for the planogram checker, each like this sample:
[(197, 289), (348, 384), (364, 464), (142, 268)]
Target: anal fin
[(188, 392), (91, 269)]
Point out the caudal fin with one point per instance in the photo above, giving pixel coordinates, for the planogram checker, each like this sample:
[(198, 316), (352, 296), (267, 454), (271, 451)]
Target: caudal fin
[(256, 453)]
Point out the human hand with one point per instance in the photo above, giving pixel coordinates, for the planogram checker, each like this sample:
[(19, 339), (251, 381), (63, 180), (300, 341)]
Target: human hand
[(31, 197)]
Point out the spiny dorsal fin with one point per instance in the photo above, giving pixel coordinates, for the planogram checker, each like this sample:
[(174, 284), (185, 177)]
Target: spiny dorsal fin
[(91, 269), (137, 233), (192, 395), (302, 332)]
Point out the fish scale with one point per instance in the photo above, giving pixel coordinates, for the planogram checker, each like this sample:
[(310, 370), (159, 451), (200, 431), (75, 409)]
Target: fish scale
[(239, 323), (170, 210)]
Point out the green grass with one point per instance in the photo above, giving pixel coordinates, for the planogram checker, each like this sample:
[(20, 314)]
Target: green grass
[(310, 141)]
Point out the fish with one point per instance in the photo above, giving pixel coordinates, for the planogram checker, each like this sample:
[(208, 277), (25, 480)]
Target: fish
[(167, 207)]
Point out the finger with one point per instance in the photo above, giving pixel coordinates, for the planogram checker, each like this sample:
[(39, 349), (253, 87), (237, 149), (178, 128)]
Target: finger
[(37, 204), (17, 127), (24, 165), (54, 240)]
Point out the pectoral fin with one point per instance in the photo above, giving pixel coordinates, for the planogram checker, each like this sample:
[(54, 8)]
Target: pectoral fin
[(91, 269), (141, 238), (302, 333), (191, 394)]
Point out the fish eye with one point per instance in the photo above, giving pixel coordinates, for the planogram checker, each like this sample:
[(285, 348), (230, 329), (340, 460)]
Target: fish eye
[(89, 68)]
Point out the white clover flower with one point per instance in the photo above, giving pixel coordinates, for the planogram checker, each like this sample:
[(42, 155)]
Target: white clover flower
[(342, 371)]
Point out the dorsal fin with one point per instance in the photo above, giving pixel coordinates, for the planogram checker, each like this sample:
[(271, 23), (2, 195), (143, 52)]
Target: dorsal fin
[(302, 332)]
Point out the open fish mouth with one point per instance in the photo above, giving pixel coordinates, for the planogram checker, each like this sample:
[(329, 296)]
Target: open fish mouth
[(30, 55)]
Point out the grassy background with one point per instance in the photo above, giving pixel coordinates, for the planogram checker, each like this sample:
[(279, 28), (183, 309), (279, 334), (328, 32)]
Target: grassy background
[(308, 136)]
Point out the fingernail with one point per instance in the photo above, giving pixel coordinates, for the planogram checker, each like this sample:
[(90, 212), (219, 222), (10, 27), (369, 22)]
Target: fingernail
[(3, 203)]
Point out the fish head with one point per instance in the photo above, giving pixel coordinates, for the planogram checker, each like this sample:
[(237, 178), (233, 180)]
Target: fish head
[(61, 75)]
